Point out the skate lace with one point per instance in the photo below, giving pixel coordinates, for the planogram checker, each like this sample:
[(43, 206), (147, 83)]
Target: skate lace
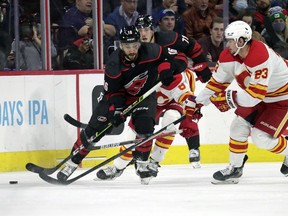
[(69, 168), (193, 153), (153, 165), (142, 166), (228, 170), (109, 171)]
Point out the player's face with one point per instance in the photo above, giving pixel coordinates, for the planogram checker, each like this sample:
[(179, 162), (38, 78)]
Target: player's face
[(146, 34), (130, 50), (231, 45)]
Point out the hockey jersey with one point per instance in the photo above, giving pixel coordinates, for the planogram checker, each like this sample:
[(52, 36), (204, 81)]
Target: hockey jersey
[(263, 76), (191, 48), (184, 84), (125, 78)]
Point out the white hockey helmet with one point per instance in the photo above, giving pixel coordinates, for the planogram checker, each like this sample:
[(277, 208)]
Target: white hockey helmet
[(236, 30)]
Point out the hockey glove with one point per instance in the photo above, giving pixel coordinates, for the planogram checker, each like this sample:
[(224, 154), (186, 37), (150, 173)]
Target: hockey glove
[(202, 71), (166, 77), (115, 116), (225, 100), (192, 111), (189, 128)]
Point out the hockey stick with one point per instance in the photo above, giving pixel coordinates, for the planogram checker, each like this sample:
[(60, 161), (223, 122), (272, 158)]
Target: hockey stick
[(48, 171), (74, 122), (159, 133)]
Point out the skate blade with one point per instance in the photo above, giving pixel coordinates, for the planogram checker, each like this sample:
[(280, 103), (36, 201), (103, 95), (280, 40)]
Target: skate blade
[(196, 165), (228, 181)]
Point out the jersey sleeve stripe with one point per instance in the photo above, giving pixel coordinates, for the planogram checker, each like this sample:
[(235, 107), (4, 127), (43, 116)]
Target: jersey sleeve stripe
[(279, 92), (257, 91), (216, 86)]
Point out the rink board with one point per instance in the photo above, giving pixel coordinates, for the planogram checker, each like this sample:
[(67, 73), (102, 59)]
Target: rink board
[(32, 129)]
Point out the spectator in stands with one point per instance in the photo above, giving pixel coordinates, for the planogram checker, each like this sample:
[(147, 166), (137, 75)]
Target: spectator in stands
[(76, 23), (235, 7), (281, 3), (277, 38), (110, 5), (166, 20), (5, 47), (251, 5), (262, 11), (216, 6), (213, 45), (189, 3), (30, 48), (172, 5), (198, 20), (124, 15), (4, 18), (79, 55), (247, 16)]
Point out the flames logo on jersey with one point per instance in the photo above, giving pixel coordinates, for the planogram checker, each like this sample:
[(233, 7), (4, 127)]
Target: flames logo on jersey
[(243, 79), (135, 85)]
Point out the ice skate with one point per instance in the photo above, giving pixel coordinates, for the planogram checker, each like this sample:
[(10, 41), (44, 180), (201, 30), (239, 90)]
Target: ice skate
[(153, 167), (194, 158), (67, 170), (109, 173), (284, 167), (230, 175), (143, 172)]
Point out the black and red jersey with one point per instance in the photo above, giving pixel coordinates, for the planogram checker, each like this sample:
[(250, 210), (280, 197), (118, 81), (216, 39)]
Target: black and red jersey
[(191, 48), (133, 78)]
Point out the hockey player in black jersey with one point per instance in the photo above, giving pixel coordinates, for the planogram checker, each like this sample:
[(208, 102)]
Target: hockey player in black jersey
[(130, 72), (192, 49), (169, 105)]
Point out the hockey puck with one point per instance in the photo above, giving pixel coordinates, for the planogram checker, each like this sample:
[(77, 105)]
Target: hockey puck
[(13, 182)]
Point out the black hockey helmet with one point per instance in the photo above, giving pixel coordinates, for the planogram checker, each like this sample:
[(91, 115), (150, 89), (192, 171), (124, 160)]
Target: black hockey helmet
[(129, 34), (144, 21)]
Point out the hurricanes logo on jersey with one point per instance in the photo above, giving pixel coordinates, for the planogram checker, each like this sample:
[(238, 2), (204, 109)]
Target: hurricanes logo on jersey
[(135, 85)]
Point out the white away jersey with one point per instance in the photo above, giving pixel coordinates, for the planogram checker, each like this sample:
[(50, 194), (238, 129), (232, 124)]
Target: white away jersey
[(263, 76), (184, 83)]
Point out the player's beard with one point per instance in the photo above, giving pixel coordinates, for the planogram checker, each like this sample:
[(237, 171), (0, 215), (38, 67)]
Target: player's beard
[(131, 56)]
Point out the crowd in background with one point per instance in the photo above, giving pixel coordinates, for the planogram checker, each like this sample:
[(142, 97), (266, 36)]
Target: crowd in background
[(72, 23)]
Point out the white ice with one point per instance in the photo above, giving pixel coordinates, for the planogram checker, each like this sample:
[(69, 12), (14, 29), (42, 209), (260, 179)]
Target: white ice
[(178, 190)]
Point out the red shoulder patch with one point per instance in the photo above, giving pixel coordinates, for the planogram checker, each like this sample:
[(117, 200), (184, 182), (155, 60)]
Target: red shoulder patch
[(226, 56), (257, 55)]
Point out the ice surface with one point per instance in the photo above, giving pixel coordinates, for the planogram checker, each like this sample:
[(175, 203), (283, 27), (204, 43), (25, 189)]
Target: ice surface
[(178, 190)]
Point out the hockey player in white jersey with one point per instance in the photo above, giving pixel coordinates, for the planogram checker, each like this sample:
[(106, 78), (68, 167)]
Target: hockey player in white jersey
[(261, 104)]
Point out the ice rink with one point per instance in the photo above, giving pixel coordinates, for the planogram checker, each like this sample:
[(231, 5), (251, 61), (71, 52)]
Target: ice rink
[(179, 190)]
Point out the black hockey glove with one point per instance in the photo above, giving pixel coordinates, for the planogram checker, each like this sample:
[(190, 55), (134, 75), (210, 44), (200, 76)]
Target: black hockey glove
[(166, 77), (203, 72), (115, 116)]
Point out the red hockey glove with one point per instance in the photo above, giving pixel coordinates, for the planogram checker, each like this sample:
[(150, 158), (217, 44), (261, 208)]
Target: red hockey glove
[(189, 128), (115, 116), (197, 113), (225, 100), (189, 106), (202, 71)]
